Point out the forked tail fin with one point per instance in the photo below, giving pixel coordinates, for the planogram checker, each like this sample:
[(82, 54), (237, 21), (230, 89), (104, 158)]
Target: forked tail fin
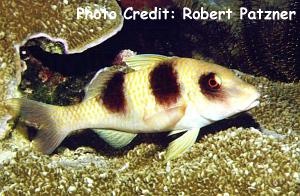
[(47, 118)]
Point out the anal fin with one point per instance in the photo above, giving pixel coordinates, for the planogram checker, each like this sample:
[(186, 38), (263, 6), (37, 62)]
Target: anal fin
[(116, 139), (181, 144)]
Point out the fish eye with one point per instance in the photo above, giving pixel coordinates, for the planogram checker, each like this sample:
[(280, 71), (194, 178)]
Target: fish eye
[(214, 82), (210, 85), (210, 82)]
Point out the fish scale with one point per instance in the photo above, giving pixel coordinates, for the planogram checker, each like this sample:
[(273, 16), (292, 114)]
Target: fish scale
[(138, 93)]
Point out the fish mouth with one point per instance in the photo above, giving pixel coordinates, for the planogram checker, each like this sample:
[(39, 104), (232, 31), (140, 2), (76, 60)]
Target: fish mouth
[(249, 107), (255, 101), (252, 104)]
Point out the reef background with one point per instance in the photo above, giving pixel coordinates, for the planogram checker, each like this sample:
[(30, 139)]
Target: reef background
[(255, 153)]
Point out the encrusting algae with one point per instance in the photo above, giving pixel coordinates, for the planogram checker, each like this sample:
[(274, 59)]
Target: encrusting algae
[(20, 21)]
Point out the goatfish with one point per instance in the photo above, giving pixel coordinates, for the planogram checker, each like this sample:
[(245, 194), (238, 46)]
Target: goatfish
[(149, 94)]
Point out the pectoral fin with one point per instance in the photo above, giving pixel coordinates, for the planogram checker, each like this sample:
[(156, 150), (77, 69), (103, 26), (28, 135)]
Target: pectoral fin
[(116, 139), (176, 131), (181, 144), (166, 118)]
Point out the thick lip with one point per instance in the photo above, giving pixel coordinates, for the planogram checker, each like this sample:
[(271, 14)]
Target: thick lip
[(255, 101), (252, 104)]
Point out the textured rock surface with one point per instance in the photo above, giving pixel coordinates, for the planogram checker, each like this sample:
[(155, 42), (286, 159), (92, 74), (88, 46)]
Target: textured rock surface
[(20, 21), (238, 161)]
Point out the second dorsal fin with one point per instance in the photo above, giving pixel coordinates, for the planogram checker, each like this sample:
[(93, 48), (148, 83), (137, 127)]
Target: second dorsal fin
[(99, 81), (133, 63), (137, 62)]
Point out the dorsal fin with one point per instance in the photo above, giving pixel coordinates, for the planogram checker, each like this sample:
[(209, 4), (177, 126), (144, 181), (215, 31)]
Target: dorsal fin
[(137, 62), (133, 63), (99, 81)]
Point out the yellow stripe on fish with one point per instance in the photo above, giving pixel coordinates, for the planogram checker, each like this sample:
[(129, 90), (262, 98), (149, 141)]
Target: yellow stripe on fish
[(153, 93)]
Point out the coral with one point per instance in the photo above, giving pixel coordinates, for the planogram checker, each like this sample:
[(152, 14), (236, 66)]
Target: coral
[(234, 161), (9, 80), (4, 126), (277, 112), (21, 21)]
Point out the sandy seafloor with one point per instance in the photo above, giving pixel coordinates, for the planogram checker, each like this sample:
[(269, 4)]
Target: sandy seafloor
[(233, 161)]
